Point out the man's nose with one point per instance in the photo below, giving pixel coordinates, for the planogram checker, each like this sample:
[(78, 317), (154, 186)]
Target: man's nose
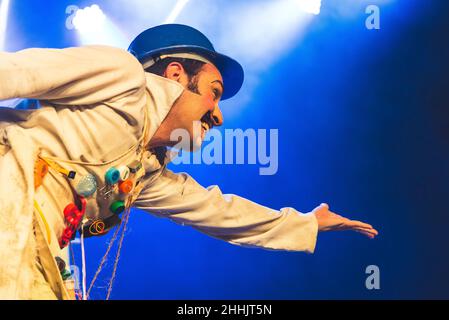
[(217, 117)]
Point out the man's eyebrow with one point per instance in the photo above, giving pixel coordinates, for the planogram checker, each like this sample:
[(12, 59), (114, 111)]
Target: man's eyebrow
[(219, 81)]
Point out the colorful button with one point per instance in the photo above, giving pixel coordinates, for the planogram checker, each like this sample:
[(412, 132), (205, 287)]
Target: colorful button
[(117, 207), (135, 166), (112, 175), (124, 172), (125, 186), (86, 186), (66, 274)]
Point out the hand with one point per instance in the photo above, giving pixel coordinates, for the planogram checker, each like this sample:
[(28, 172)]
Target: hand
[(329, 221)]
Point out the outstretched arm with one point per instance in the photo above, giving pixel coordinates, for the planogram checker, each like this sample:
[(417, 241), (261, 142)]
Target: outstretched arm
[(227, 217), (237, 220), (77, 75)]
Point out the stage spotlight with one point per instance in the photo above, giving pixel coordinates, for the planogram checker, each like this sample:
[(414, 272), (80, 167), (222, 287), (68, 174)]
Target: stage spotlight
[(94, 27), (310, 6), (89, 19)]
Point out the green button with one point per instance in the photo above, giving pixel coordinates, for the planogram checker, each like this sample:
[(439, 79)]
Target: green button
[(66, 274), (117, 207)]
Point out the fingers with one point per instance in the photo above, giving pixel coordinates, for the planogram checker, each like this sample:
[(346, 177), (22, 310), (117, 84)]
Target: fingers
[(367, 234), (371, 231), (361, 227), (359, 224)]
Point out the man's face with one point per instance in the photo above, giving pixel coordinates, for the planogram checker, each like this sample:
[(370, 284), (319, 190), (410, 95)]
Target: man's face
[(202, 105)]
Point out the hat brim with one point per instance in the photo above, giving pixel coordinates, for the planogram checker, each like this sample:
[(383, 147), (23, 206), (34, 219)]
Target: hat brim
[(231, 71)]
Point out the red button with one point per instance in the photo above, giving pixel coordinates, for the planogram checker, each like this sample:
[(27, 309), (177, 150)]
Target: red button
[(125, 186)]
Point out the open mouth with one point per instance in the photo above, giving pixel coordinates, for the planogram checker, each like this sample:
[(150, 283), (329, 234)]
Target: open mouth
[(204, 126), (205, 122)]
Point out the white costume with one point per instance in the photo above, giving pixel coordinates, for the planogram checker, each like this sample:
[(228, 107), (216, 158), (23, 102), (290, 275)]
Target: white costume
[(94, 102)]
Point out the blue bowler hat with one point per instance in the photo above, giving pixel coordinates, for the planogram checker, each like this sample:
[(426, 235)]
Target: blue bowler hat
[(178, 38)]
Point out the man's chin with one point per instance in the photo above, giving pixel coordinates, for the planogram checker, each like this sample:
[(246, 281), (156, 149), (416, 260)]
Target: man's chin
[(190, 141), (196, 144), (190, 146)]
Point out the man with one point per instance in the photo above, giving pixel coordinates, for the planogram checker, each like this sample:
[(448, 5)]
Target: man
[(97, 145)]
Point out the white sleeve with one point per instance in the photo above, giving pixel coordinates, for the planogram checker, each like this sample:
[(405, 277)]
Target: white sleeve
[(77, 75), (226, 216)]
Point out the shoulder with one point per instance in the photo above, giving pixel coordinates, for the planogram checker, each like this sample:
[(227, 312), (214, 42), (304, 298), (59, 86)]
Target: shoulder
[(110, 52), (118, 60), (119, 57)]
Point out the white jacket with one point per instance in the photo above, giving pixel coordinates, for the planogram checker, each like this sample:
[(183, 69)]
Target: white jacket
[(92, 101)]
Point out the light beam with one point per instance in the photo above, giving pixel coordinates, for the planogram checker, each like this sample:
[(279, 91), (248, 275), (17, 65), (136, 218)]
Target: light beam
[(4, 7)]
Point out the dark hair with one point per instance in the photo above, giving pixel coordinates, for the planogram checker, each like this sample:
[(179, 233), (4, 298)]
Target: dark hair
[(191, 67)]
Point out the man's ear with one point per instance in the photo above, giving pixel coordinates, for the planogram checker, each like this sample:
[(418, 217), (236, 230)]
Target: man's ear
[(174, 71)]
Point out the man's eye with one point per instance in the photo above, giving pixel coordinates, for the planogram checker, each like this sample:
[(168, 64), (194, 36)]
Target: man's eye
[(216, 93)]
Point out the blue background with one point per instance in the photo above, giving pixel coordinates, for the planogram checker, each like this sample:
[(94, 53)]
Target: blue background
[(363, 125)]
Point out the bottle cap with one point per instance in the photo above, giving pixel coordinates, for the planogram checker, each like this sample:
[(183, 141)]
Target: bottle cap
[(86, 186), (112, 175), (65, 274), (125, 186), (135, 166), (117, 207), (124, 172)]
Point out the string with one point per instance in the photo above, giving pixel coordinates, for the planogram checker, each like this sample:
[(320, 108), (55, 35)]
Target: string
[(83, 261), (125, 222), (141, 143), (73, 263), (103, 260)]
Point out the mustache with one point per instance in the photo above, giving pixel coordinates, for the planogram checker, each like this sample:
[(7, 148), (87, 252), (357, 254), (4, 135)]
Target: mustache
[(207, 117)]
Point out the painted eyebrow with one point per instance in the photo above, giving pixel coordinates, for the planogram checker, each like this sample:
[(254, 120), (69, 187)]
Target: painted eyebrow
[(221, 83)]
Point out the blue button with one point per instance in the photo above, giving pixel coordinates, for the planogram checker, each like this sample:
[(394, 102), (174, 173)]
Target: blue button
[(112, 175)]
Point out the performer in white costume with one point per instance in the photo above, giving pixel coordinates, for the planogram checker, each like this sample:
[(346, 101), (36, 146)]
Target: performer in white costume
[(97, 145)]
